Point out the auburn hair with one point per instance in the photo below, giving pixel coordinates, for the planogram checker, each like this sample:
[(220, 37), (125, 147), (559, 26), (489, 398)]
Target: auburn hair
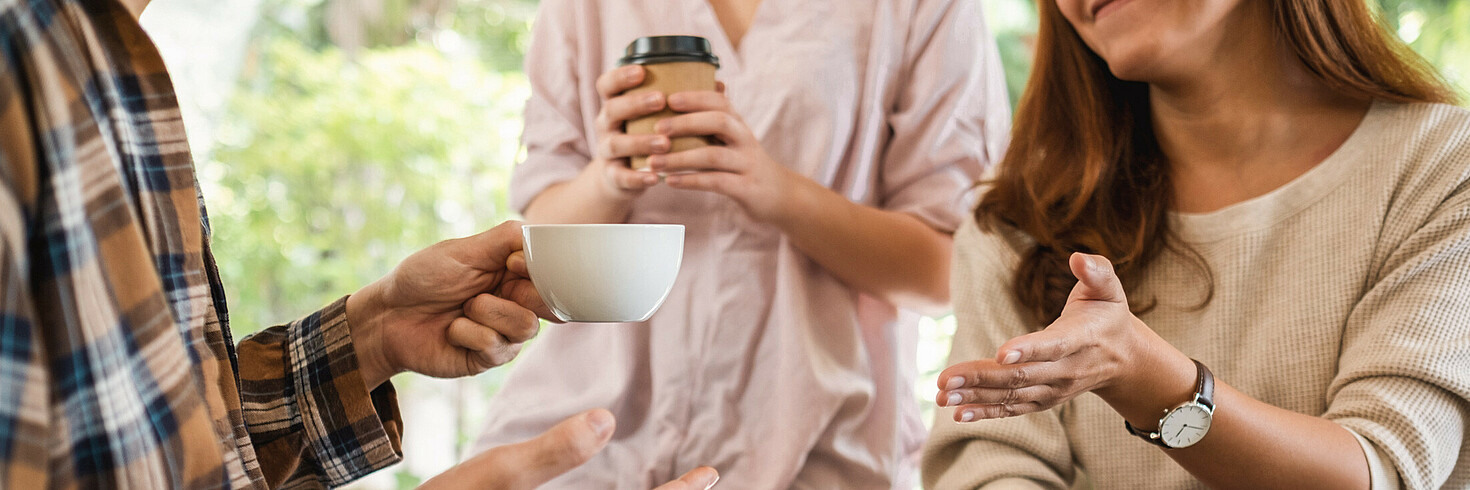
[(1084, 172)]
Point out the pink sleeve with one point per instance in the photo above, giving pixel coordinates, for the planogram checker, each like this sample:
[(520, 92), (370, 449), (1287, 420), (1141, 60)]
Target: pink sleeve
[(555, 134), (951, 117)]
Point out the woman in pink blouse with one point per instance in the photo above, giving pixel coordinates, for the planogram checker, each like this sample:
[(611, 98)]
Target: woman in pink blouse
[(784, 355)]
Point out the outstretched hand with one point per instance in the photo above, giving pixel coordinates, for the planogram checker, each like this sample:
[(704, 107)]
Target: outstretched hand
[(527, 465), (454, 309), (1090, 347)]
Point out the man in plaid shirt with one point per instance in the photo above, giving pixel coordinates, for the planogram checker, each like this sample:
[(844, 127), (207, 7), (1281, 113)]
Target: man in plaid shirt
[(117, 368)]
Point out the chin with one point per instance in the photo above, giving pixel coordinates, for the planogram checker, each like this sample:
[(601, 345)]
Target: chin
[(1136, 65)]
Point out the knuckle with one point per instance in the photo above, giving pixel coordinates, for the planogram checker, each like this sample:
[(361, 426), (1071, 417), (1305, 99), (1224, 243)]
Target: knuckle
[(1019, 377), (1011, 396)]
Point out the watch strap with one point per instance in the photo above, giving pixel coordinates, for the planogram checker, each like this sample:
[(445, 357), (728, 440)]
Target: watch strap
[(1204, 389), (1204, 393), (1152, 437)]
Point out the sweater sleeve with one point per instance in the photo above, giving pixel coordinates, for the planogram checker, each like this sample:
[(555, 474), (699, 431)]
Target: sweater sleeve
[(1403, 381), (1029, 451)]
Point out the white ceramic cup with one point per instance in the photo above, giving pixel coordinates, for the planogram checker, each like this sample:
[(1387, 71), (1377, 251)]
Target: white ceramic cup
[(604, 273)]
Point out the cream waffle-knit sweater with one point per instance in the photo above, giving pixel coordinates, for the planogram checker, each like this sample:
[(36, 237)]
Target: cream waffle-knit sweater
[(1344, 294)]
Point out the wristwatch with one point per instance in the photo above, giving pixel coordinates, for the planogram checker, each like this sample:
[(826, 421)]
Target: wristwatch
[(1186, 424)]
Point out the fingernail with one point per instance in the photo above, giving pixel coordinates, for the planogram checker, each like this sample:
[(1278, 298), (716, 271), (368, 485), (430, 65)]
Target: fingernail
[(967, 416), (953, 400), (712, 483), (954, 383), (650, 180), (630, 73), (655, 163), (652, 99), (1011, 357), (661, 127), (601, 422), (661, 144)]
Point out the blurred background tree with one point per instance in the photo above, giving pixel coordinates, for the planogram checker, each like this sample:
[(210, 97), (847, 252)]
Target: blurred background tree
[(335, 137)]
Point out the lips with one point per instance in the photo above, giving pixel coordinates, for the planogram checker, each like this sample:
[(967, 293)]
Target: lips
[(1099, 5)]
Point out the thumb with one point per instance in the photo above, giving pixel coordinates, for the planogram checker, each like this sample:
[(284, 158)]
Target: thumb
[(1096, 280), (565, 446), (488, 250)]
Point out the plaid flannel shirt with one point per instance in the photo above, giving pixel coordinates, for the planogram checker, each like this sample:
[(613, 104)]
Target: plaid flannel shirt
[(116, 364)]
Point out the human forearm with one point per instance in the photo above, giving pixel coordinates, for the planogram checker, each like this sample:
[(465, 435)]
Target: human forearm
[(1098, 345), (887, 254), (1250, 444), (587, 198)]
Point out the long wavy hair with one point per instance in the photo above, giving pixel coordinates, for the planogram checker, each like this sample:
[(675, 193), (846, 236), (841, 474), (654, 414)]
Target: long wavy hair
[(1084, 172)]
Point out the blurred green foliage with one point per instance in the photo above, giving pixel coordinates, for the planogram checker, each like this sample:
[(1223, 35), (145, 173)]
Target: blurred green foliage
[(1439, 30), (330, 170)]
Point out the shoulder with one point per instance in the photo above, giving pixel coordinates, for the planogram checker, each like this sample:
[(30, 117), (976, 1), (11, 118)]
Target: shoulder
[(1431, 144), (1429, 137), (986, 251)]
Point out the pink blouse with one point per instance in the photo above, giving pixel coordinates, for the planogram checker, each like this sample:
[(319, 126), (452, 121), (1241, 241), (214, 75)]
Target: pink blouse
[(761, 363)]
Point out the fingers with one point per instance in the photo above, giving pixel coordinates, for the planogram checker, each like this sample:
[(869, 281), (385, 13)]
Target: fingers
[(618, 109), (986, 389), (628, 179), (484, 347), (720, 182), (488, 250), (701, 101), (995, 396), (723, 125), (532, 463), (701, 478), (512, 321), (716, 158), (516, 264), (618, 146), (989, 374), (616, 81), (1051, 344), (971, 413), (1096, 280), (523, 292)]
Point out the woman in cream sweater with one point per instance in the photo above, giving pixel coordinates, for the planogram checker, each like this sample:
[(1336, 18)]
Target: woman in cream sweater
[(1276, 190)]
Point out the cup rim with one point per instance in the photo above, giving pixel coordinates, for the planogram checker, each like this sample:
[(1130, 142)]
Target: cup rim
[(604, 225)]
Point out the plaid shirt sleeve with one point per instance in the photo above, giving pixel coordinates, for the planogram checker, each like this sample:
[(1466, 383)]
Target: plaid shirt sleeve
[(310, 415), (117, 369), (22, 417)]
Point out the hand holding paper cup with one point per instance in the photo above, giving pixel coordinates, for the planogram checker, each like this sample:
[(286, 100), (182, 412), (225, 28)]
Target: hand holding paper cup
[(604, 272), (672, 64)]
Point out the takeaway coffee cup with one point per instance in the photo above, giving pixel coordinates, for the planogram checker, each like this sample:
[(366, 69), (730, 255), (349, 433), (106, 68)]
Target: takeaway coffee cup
[(604, 273), (671, 64)]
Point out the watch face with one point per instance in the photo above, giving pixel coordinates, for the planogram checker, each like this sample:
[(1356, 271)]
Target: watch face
[(1185, 425)]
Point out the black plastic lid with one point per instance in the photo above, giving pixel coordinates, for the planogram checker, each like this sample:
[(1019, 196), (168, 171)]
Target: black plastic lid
[(668, 49)]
